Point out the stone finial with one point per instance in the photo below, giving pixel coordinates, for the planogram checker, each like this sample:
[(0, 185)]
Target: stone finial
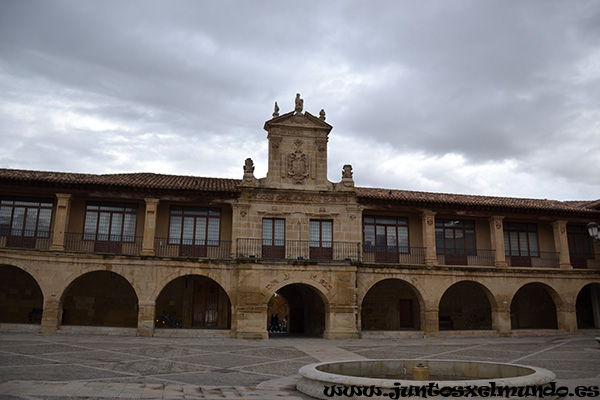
[(347, 172), (322, 115), (249, 165), (299, 104), (276, 111)]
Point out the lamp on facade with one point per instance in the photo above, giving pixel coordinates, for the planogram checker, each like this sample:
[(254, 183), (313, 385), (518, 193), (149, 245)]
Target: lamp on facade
[(592, 228)]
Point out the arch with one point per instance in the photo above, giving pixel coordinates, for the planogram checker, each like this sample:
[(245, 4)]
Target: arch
[(391, 304), (466, 305), (534, 306), (587, 306), (307, 307), (182, 273), (201, 301), (21, 297), (100, 298)]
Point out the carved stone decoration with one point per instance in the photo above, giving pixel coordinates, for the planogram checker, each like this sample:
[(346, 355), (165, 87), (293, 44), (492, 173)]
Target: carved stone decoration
[(249, 166), (276, 111), (429, 221), (299, 104), (322, 115), (298, 167), (275, 143), (498, 224), (347, 172)]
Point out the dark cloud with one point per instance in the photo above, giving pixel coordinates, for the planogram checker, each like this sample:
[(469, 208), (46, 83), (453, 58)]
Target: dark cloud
[(462, 89)]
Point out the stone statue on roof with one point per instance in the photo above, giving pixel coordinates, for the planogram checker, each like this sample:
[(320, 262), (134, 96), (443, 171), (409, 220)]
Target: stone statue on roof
[(299, 104)]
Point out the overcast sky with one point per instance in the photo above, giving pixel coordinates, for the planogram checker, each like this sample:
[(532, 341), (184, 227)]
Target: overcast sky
[(482, 97)]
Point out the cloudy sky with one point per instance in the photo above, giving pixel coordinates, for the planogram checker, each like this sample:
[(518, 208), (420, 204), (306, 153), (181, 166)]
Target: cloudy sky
[(481, 97)]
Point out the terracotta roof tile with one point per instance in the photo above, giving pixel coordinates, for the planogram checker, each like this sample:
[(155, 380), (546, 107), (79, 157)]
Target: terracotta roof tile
[(469, 200), (133, 180)]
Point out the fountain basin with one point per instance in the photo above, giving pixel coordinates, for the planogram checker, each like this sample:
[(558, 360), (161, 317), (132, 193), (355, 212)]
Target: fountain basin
[(390, 374)]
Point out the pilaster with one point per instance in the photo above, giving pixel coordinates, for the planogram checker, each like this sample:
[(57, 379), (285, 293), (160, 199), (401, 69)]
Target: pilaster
[(61, 219), (501, 322), (561, 244), (340, 323), (428, 219), (567, 317), (497, 240), (51, 315), (149, 227), (431, 324), (146, 317)]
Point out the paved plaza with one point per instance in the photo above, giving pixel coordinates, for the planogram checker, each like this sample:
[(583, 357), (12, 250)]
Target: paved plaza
[(71, 366)]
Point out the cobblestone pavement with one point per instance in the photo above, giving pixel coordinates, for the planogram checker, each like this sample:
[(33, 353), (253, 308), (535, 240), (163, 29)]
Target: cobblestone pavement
[(77, 367)]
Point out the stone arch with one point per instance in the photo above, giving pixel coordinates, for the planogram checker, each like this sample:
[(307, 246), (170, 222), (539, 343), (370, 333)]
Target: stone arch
[(99, 298), (182, 273), (535, 305), (392, 304), (21, 296), (308, 307), (466, 305), (587, 306), (199, 300)]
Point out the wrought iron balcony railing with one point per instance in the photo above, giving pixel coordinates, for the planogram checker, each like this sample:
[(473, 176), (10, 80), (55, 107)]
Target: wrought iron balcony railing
[(26, 239), (394, 255), (217, 249), (100, 243), (543, 259), (467, 257), (296, 250)]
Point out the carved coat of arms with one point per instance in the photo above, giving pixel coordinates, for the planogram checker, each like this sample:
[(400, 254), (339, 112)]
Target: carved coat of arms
[(298, 165)]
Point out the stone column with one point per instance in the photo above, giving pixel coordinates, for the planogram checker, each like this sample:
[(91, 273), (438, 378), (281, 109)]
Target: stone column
[(561, 244), (567, 317), (61, 219), (497, 240), (52, 314), (146, 317), (340, 323), (431, 321), (149, 227), (501, 322), (428, 219)]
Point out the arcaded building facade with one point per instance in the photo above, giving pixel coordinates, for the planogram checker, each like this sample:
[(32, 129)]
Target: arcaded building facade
[(119, 253)]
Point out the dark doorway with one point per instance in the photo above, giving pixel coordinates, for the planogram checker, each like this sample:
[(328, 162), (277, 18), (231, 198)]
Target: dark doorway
[(306, 310), (21, 299), (588, 307), (465, 306), (390, 305), (533, 308)]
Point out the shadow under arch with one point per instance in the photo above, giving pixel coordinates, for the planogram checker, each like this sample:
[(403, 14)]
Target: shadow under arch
[(307, 308), (200, 301), (391, 304), (21, 297), (587, 306), (534, 306), (100, 298), (466, 305)]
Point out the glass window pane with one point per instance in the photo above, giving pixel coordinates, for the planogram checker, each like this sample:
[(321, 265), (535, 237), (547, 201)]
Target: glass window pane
[(380, 238), (439, 240), (403, 239), (18, 219), (89, 229), (200, 239), (116, 227), (267, 232), (30, 222), (514, 243), (279, 232), (175, 230), (369, 237), (314, 233), (5, 214), (129, 227), (392, 240), (369, 220), (470, 242), (213, 231), (524, 248), (215, 212), (188, 231), (103, 226), (533, 244), (327, 232)]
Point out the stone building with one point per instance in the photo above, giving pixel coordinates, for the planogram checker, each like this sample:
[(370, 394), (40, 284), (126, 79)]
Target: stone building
[(114, 253)]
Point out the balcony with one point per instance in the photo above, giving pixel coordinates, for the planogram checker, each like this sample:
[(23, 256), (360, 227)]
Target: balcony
[(460, 257), (86, 243), (296, 250), (216, 249), (28, 240), (400, 255), (545, 259)]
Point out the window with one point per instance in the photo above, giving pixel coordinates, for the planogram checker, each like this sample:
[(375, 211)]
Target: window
[(386, 237), (321, 239), (455, 237), (24, 220), (520, 240), (273, 238), (198, 226), (580, 245), (110, 222)]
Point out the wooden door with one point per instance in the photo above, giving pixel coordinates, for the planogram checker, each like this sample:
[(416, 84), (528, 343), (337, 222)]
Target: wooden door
[(206, 304)]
